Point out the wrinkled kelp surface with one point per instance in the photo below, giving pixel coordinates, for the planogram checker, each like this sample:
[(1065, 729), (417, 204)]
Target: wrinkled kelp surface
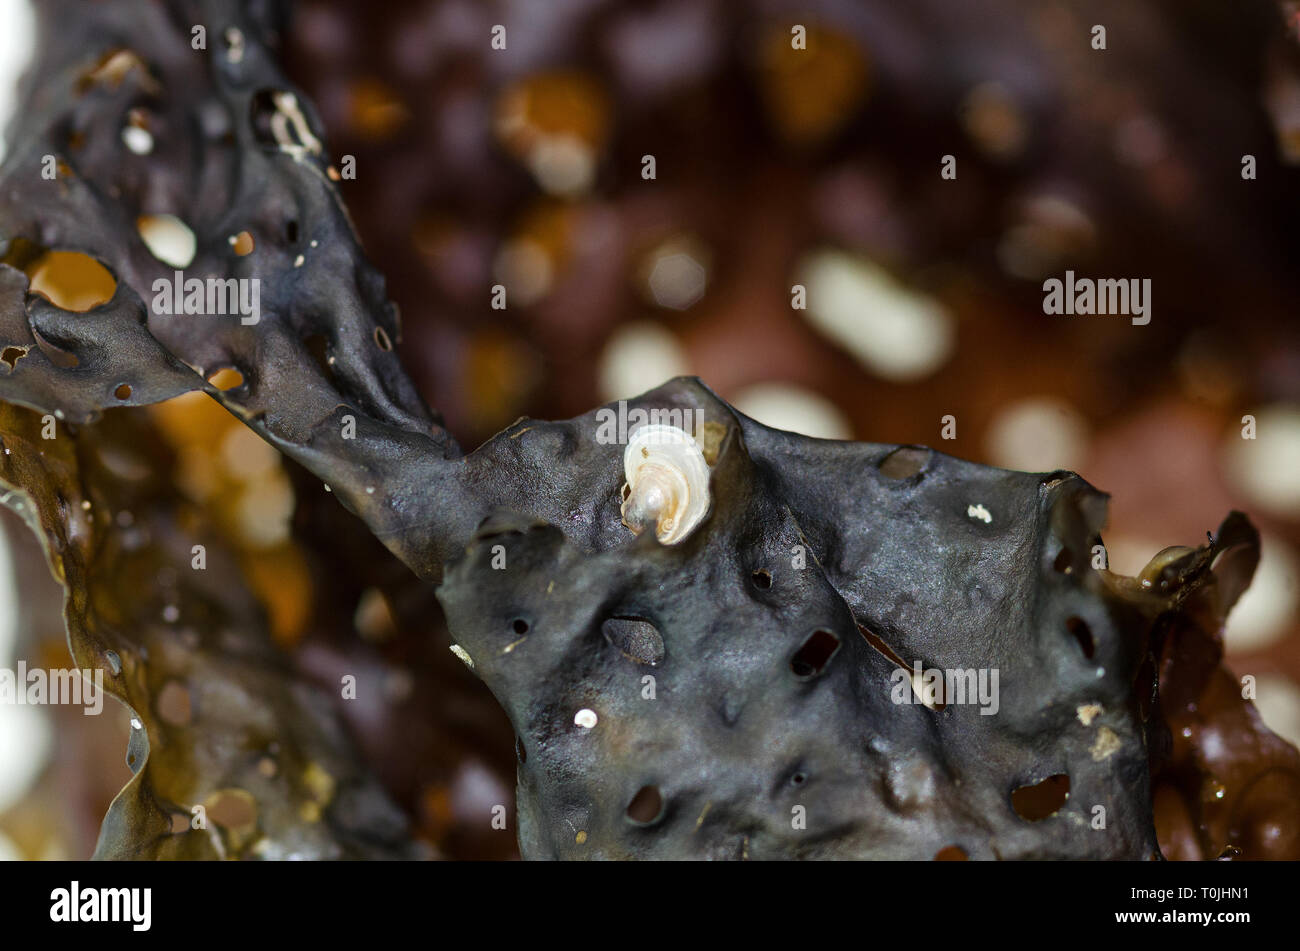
[(769, 726)]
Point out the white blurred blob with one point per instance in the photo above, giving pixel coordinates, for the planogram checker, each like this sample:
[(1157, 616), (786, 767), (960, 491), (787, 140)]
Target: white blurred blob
[(794, 409), (25, 736), (25, 744), (524, 268), (1277, 699), (1264, 469), (137, 140), (563, 164), (1037, 435), (17, 41), (639, 357), (676, 273), (168, 238), (894, 332), (475, 790), (1267, 609)]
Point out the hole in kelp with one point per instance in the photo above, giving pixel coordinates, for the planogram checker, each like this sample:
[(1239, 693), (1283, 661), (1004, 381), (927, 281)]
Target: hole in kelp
[(11, 355), (646, 806), (71, 280), (811, 659), (1041, 800)]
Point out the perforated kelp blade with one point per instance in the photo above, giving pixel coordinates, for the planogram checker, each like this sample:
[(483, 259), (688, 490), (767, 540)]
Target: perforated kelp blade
[(749, 692), (74, 365), (127, 117)]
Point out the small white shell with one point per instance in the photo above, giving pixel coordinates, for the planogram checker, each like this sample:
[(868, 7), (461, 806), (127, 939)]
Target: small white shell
[(667, 482)]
